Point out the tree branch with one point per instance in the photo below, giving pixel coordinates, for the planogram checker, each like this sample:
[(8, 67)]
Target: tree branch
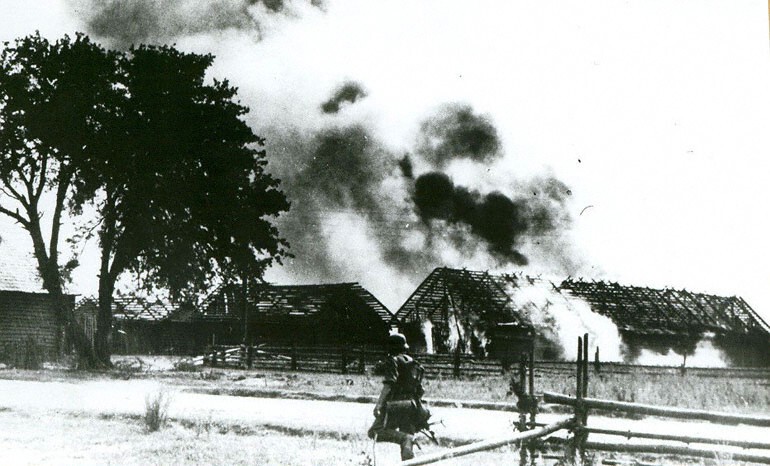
[(61, 193), (14, 194), (41, 180), (15, 215)]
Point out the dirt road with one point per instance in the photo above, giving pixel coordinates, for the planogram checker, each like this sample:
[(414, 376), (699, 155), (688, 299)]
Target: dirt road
[(119, 397)]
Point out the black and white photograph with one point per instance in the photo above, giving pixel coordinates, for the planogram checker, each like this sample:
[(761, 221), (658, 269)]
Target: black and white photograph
[(375, 233)]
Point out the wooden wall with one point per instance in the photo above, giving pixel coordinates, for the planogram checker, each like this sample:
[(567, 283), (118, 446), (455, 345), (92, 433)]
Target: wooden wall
[(25, 315)]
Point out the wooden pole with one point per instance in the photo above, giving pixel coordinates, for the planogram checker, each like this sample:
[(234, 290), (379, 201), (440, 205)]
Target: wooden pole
[(533, 405), (585, 365), (678, 450), (522, 414), (579, 373), (488, 444), (582, 435), (682, 438), (456, 363), (651, 410), (572, 453)]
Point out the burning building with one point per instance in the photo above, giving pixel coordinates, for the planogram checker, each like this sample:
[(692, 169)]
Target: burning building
[(502, 315), (661, 320)]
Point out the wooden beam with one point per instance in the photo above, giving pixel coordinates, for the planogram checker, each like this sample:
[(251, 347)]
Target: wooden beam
[(681, 438), (489, 444), (651, 410), (677, 450)]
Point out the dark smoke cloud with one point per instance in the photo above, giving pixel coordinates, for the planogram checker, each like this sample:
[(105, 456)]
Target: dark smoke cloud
[(341, 170), (407, 169), (494, 217), (133, 22), (456, 132), (349, 92)]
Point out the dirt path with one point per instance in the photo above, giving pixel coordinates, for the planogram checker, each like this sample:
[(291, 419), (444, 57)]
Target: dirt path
[(119, 397)]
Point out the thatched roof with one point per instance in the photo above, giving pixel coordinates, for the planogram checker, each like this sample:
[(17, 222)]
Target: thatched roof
[(268, 302)]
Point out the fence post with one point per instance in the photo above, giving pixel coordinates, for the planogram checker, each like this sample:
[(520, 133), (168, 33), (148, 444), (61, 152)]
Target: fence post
[(597, 364), (362, 360), (522, 425), (344, 358), (249, 356), (214, 357), (456, 363), (294, 364)]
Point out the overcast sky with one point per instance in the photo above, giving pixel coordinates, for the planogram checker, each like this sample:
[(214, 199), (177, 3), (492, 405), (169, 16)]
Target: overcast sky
[(654, 113)]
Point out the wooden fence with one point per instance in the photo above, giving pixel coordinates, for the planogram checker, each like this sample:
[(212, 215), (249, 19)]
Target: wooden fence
[(577, 446), (337, 359)]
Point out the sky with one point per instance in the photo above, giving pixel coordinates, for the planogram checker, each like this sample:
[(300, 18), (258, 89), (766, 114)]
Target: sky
[(630, 136)]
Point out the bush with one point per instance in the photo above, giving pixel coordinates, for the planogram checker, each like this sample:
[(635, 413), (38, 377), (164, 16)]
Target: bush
[(156, 410), (185, 365), (25, 354)]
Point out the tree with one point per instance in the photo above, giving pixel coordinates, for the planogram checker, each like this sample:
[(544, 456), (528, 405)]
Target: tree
[(50, 101), (176, 177)]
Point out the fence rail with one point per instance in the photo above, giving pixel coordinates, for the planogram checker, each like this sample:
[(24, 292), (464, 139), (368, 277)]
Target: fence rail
[(576, 446), (338, 359)]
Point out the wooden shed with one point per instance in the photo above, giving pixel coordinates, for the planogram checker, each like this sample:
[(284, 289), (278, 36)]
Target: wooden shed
[(329, 314), (28, 317)]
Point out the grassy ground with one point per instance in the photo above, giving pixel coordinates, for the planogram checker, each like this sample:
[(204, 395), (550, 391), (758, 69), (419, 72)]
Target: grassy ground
[(52, 437), (669, 389), (64, 439)]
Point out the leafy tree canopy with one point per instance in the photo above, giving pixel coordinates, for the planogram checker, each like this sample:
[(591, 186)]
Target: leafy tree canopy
[(162, 154)]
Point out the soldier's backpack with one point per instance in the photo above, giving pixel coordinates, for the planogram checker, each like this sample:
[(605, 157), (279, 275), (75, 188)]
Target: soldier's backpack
[(409, 382), (410, 377)]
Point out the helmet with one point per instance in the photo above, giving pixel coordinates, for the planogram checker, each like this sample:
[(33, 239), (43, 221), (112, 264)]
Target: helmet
[(397, 342)]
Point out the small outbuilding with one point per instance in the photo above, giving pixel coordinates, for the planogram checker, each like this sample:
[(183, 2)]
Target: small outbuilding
[(29, 323)]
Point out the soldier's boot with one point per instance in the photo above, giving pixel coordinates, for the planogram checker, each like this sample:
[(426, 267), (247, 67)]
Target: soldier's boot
[(407, 447), (404, 440)]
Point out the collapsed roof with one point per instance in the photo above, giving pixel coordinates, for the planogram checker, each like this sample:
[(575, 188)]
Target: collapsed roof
[(478, 293), (653, 311), (490, 297)]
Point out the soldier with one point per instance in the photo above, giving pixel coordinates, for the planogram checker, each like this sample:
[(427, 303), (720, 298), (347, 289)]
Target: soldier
[(399, 411)]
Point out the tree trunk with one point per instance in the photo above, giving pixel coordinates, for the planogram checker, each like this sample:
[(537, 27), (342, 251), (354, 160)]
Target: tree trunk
[(49, 272), (104, 321)]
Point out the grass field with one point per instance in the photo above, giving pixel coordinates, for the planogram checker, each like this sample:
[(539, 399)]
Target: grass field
[(730, 394), (36, 436)]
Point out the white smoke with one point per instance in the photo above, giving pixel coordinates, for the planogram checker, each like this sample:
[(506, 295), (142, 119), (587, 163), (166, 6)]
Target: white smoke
[(562, 318), (705, 355), (427, 331)]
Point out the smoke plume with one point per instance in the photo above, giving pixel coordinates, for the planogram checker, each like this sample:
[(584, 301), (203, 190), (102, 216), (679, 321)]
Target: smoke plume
[(366, 205), (562, 319), (456, 132), (347, 93), (131, 22)]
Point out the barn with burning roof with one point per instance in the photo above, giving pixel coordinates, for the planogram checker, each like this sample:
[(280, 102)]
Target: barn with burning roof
[(503, 315), (660, 319)]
